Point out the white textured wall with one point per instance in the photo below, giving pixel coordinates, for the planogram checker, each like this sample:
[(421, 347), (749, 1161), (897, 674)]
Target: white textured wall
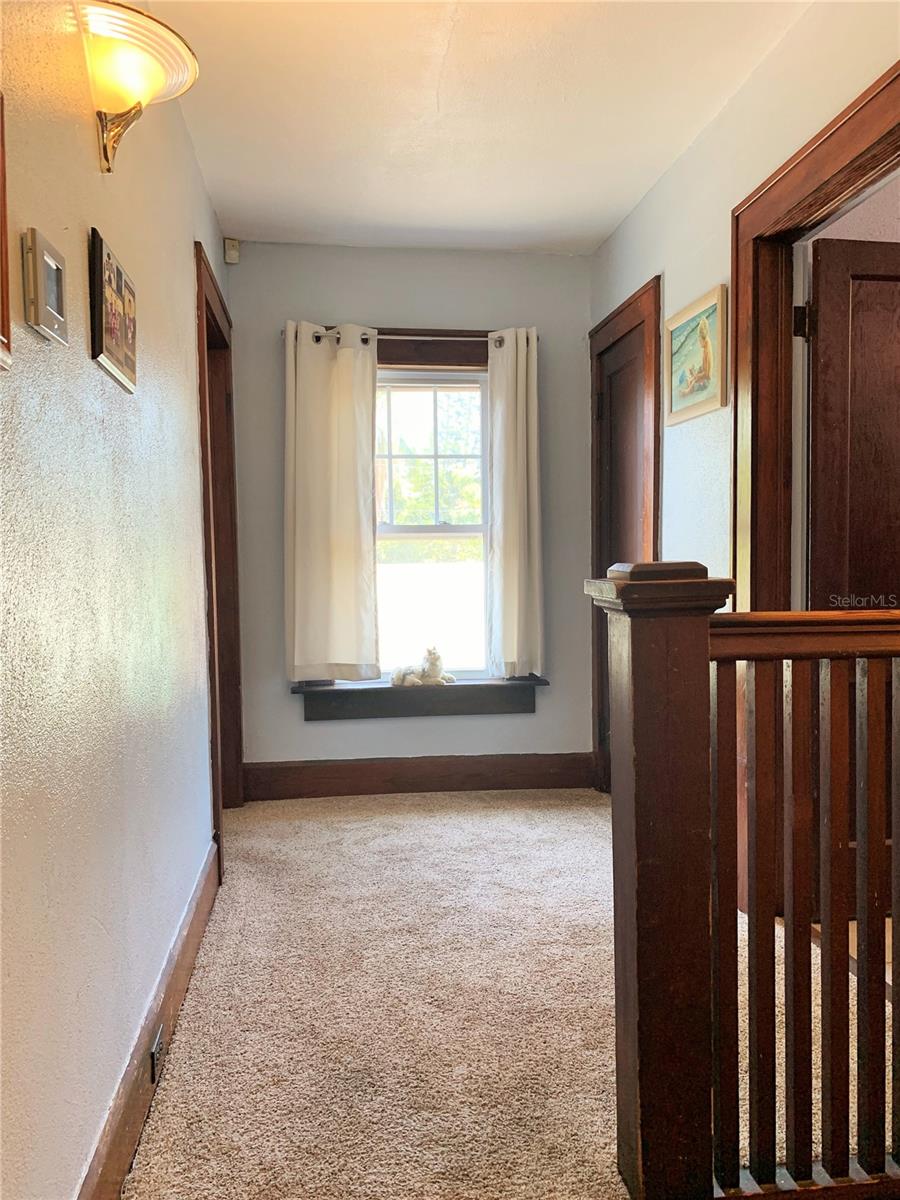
[(424, 289), (106, 795), (682, 229)]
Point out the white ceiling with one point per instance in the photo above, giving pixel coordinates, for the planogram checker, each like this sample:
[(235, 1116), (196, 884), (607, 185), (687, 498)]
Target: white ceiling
[(481, 125)]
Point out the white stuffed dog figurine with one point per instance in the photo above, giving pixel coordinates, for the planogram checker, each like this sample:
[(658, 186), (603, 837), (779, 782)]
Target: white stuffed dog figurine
[(429, 673)]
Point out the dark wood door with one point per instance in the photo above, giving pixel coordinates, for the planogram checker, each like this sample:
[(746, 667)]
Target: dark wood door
[(854, 421), (225, 567), (220, 545), (625, 365)]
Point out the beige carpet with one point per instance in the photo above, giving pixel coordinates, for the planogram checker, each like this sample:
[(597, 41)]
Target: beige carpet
[(404, 998), (398, 998)]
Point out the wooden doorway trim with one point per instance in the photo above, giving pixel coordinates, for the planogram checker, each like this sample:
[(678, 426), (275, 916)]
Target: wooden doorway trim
[(857, 149), (642, 309), (220, 544), (5, 318)]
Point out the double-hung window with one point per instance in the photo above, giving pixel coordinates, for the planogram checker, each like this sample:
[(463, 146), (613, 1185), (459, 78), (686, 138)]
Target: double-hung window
[(430, 479)]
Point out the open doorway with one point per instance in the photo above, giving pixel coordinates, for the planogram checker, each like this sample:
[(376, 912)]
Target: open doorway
[(220, 545), (846, 500), (855, 151), (846, 504), (813, 511)]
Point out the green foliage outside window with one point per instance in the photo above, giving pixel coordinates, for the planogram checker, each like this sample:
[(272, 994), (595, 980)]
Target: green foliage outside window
[(459, 482)]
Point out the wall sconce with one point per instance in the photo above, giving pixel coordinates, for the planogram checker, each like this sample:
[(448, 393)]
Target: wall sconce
[(133, 60)]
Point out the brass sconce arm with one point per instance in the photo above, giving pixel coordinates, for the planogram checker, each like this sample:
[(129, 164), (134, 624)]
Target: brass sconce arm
[(111, 128)]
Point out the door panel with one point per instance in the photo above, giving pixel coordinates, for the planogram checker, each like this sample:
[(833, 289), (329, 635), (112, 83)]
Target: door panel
[(854, 515), (625, 350), (621, 383)]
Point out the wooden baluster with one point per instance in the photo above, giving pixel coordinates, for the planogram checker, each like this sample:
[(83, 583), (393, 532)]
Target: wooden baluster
[(726, 1112), (871, 811), (895, 905), (798, 905), (659, 732), (835, 905), (763, 682)]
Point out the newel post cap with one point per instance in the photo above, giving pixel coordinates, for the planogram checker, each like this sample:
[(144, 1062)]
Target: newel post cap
[(659, 587)]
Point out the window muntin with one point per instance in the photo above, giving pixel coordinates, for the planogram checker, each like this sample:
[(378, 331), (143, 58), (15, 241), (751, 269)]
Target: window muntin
[(431, 504)]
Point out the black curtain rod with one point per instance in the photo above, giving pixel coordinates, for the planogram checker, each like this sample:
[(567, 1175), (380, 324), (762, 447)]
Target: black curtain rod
[(415, 337), (434, 337)]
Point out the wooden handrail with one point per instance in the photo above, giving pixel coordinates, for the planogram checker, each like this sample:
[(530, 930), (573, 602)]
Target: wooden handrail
[(767, 636)]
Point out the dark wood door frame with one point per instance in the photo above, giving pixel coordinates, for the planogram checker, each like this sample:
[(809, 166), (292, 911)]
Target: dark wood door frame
[(5, 320), (643, 308), (220, 544), (857, 149)]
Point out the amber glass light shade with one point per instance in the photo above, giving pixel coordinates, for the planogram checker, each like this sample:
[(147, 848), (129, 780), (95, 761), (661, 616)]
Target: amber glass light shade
[(133, 60)]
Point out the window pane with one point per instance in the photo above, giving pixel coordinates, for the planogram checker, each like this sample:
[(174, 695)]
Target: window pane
[(381, 422), (413, 491), (459, 421), (459, 480), (381, 491), (412, 421), (431, 593)]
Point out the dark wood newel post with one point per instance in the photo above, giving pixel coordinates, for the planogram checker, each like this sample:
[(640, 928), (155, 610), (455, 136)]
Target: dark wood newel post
[(660, 746)]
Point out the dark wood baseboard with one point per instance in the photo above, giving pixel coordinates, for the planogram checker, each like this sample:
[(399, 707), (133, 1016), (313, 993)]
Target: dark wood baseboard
[(115, 1150), (451, 773)]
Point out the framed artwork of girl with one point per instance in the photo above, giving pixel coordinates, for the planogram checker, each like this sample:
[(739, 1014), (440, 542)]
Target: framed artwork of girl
[(695, 375)]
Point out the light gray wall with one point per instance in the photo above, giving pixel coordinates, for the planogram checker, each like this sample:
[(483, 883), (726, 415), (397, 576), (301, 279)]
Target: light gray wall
[(106, 790), (424, 289), (682, 229)]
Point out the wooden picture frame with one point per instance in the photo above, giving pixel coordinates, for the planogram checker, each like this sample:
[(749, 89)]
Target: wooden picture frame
[(5, 317), (695, 372), (113, 315)]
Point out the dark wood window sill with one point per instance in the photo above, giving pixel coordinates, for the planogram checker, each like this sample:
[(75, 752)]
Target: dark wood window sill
[(355, 701)]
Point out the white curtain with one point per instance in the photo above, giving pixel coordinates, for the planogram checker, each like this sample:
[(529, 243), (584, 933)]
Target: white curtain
[(515, 586), (331, 628)]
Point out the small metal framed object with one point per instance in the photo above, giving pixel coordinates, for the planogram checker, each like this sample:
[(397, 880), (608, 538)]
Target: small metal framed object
[(45, 287)]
